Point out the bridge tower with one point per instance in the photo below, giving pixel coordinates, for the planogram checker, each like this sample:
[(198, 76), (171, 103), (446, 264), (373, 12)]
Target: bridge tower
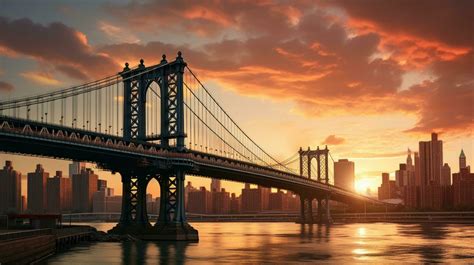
[(321, 174), (171, 224)]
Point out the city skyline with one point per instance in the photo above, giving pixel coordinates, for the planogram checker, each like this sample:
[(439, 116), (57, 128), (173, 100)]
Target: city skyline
[(236, 131), (369, 119), (153, 186)]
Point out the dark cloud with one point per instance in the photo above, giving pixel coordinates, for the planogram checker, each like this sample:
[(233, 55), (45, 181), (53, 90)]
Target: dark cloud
[(308, 56), (447, 101), (316, 69), (208, 17), (291, 51), (333, 140), (449, 22), (56, 44), (6, 87)]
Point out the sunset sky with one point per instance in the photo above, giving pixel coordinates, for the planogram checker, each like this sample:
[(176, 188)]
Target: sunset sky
[(368, 78)]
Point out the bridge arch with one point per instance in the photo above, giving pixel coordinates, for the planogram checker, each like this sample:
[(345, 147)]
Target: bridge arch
[(153, 194)]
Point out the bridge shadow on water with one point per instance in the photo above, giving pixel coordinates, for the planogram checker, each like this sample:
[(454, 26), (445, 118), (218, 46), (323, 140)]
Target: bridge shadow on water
[(149, 252)]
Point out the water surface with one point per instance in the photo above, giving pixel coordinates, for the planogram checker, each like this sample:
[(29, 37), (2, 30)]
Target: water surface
[(288, 243)]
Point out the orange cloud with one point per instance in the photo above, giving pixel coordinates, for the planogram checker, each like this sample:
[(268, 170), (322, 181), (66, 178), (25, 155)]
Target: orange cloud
[(333, 140), (117, 33), (42, 78)]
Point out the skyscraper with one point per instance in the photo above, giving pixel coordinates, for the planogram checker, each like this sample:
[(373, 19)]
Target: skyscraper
[(255, 200), (215, 185), (59, 198), (76, 167), (431, 161), (220, 202), (417, 169), (388, 188), (410, 170), (445, 175), (101, 185), (462, 160), (401, 176), (189, 187), (200, 201), (84, 185), (409, 160), (344, 174), (10, 189), (37, 195)]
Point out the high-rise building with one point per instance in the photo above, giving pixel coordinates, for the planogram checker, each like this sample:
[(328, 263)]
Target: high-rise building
[(463, 188), (254, 200), (445, 175), (99, 202), (37, 194), (417, 169), (59, 198), (200, 201), (215, 185), (113, 204), (409, 160), (411, 175), (234, 204), (10, 189), (401, 176), (220, 202), (76, 167), (189, 187), (279, 201), (431, 161), (101, 184), (462, 160), (84, 185), (344, 175), (388, 188)]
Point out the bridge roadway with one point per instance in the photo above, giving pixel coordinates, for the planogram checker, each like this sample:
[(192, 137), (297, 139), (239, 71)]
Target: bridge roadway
[(47, 140), (396, 217)]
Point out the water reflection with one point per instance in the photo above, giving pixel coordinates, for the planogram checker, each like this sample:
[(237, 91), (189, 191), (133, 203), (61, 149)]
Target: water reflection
[(288, 242)]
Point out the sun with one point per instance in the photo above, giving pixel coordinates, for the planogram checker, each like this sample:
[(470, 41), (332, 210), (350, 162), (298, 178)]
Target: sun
[(362, 184)]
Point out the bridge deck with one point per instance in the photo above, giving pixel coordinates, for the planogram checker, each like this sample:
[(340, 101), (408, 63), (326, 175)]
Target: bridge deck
[(34, 138)]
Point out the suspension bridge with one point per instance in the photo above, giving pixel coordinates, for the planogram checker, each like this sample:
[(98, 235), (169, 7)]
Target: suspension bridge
[(160, 122)]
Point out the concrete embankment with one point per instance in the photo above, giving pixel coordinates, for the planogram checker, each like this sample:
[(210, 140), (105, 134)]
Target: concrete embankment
[(27, 246)]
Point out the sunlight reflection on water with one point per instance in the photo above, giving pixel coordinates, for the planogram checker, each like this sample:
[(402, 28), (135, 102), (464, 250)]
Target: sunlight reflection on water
[(289, 242)]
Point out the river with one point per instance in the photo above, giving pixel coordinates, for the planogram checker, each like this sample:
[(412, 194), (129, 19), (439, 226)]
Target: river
[(288, 243)]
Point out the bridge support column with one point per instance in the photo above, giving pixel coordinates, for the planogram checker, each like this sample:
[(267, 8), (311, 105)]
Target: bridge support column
[(141, 215), (125, 216), (324, 212), (306, 215), (320, 209), (127, 220), (172, 223)]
